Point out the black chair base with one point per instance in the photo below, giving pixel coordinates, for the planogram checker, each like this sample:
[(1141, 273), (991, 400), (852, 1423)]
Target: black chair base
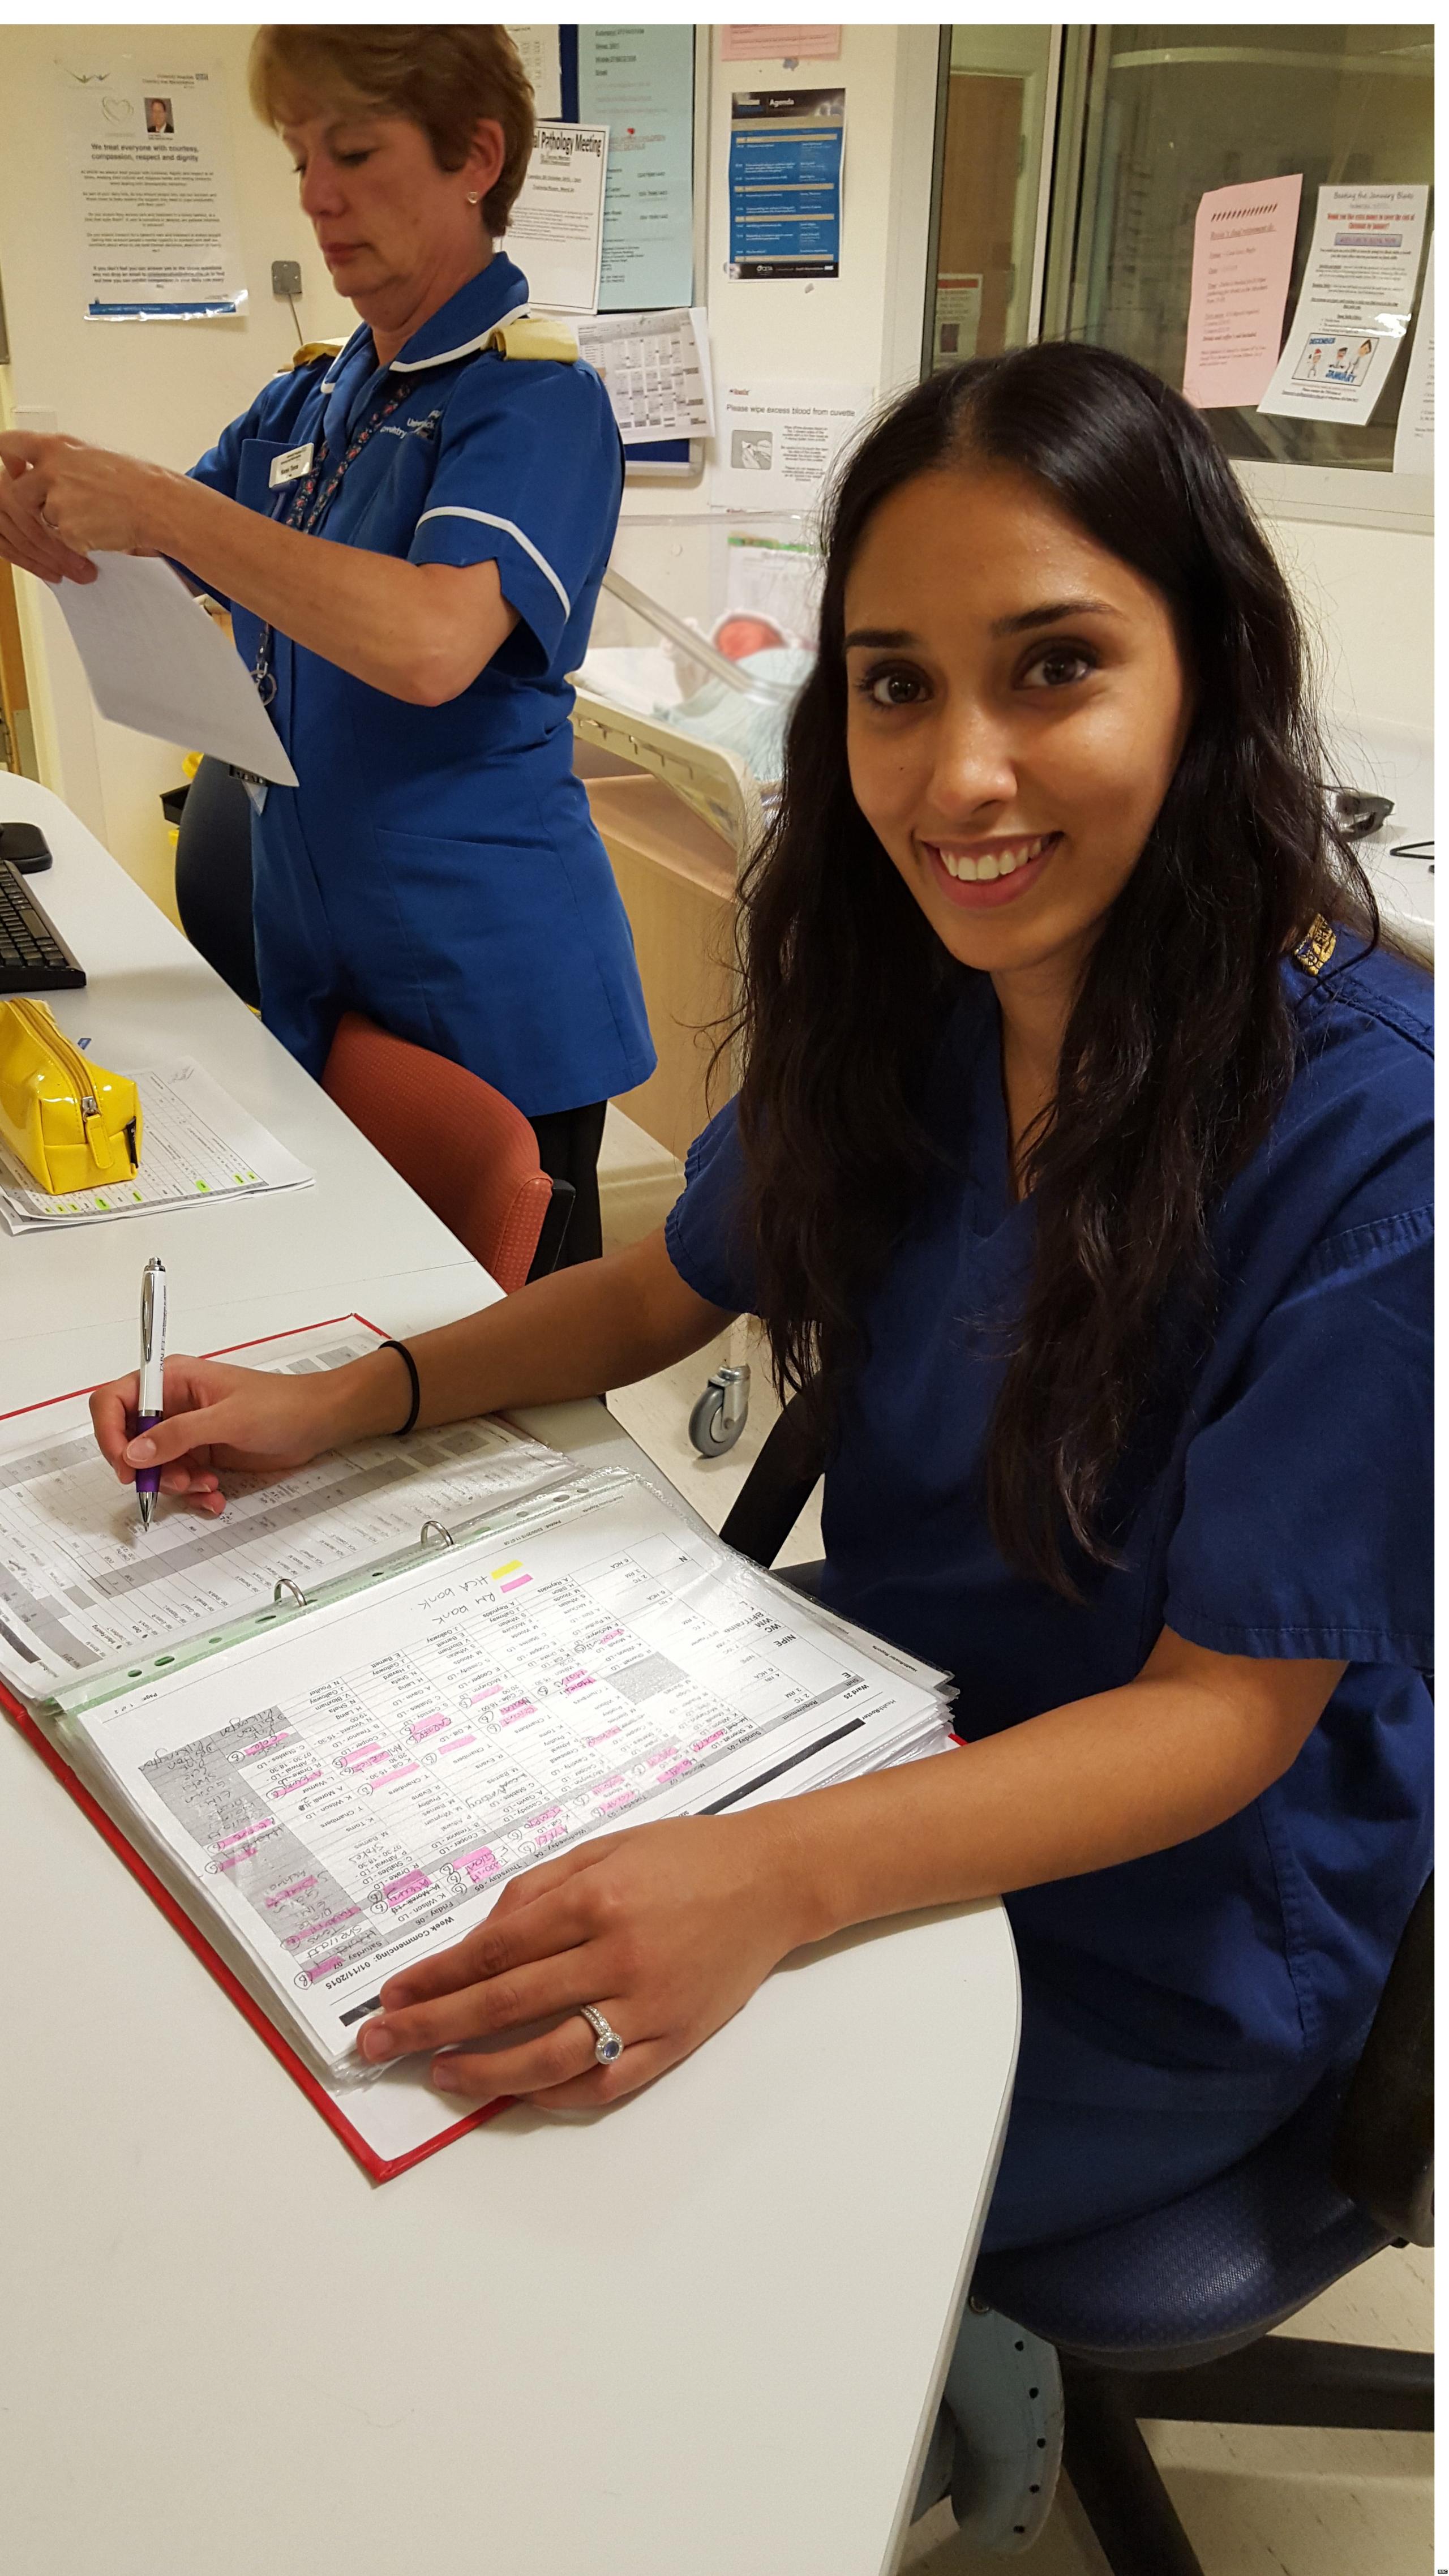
[(1282, 2379)]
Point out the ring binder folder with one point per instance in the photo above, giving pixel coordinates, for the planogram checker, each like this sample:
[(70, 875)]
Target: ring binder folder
[(332, 1786)]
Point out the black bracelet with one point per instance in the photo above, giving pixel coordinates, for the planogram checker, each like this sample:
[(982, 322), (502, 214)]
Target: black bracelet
[(410, 1364)]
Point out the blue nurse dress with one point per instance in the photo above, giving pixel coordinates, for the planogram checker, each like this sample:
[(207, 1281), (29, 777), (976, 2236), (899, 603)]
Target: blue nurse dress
[(1177, 2008), (436, 867)]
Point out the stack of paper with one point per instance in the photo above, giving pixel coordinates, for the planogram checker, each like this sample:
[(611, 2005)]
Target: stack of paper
[(342, 1794), (195, 1144), (81, 1582)]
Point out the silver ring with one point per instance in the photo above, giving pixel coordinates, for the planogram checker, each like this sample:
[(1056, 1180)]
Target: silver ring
[(607, 2043)]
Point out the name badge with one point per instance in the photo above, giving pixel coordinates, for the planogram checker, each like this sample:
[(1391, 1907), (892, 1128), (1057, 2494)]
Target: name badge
[(288, 468)]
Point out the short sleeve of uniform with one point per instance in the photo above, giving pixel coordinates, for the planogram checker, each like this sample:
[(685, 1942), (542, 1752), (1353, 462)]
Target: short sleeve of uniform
[(705, 1233), (1307, 1521), (529, 475)]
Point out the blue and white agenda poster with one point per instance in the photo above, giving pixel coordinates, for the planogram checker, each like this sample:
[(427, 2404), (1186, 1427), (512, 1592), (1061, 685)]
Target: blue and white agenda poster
[(786, 151)]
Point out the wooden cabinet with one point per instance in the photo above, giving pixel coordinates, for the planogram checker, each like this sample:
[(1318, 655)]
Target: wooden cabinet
[(677, 879)]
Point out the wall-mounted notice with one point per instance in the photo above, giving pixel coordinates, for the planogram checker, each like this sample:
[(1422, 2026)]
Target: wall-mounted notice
[(779, 44), (150, 158), (778, 441), (555, 231), (787, 149), (958, 317), (538, 52), (1414, 436), (1242, 258), (639, 82), (1356, 305), (655, 371)]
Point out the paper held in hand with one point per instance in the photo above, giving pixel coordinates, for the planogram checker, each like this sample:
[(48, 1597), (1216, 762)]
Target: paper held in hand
[(156, 662)]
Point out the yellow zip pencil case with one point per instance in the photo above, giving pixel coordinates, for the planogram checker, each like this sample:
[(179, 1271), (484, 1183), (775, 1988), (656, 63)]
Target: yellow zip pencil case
[(73, 1125)]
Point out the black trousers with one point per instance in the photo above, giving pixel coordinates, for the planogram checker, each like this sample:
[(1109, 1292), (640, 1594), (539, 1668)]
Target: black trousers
[(568, 1148)]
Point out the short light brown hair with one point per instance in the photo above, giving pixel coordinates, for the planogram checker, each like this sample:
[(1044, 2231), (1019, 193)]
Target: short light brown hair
[(444, 79)]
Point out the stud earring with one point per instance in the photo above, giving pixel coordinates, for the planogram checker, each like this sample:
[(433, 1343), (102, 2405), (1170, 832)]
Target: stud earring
[(472, 196)]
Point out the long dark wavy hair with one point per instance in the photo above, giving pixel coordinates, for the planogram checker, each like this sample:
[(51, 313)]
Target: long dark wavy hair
[(1180, 1045)]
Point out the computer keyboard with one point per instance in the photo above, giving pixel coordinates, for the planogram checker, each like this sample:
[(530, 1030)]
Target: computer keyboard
[(33, 956)]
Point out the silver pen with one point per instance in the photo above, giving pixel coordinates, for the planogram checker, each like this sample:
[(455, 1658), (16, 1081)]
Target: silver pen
[(153, 1361)]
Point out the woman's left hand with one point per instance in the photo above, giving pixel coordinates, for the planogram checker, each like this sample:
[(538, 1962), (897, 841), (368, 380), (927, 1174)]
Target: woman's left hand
[(94, 501), (668, 1929)]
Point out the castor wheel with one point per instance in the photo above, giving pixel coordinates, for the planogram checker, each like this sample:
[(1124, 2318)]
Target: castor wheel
[(721, 1413)]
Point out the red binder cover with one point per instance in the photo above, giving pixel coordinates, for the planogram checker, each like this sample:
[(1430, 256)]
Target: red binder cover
[(378, 2167)]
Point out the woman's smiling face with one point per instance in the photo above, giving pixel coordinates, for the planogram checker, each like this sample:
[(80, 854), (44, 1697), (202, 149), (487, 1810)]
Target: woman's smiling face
[(1017, 707)]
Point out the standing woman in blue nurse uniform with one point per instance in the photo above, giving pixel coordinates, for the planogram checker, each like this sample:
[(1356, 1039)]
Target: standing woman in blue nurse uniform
[(411, 539)]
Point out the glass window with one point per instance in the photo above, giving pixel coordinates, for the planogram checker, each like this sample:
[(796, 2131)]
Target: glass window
[(999, 83), (1173, 111)]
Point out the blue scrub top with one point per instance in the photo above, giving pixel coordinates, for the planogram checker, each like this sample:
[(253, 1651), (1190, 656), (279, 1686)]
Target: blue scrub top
[(1292, 1518), (436, 867)]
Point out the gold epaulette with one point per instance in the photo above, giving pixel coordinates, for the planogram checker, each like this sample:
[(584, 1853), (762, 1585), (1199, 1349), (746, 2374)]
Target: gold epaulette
[(534, 335), (1314, 952), (312, 350)]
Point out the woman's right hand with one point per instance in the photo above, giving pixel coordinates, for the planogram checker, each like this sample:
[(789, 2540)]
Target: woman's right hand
[(218, 1416)]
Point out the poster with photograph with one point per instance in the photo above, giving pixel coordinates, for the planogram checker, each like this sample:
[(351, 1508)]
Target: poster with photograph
[(1356, 304), (150, 159)]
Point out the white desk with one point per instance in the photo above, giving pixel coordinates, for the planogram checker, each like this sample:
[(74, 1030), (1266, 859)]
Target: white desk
[(702, 2332)]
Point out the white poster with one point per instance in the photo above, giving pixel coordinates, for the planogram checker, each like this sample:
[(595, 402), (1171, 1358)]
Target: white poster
[(1356, 304), (538, 53), (1414, 437), (777, 441), (655, 371), (555, 232), (150, 159)]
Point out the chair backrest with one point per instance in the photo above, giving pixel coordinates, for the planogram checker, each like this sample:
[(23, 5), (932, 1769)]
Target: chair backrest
[(1383, 2154), (214, 876), (465, 1149), (779, 1484)]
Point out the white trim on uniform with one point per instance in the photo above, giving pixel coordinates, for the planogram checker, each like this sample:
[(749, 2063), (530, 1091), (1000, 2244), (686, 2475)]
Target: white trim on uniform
[(445, 357), (488, 519)]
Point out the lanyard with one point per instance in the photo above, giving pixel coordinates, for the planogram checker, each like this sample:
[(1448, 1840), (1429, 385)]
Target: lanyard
[(307, 506)]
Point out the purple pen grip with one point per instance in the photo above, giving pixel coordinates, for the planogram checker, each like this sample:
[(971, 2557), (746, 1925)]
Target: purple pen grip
[(148, 1479)]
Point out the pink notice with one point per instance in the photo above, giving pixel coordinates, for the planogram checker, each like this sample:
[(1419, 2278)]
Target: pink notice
[(1242, 252)]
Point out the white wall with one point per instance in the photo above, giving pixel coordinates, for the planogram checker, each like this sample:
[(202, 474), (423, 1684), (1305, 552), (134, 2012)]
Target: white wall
[(1368, 596), (163, 389), (158, 389)]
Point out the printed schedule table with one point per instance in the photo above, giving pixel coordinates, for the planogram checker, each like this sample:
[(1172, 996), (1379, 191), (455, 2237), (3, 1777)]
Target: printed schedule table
[(703, 2331)]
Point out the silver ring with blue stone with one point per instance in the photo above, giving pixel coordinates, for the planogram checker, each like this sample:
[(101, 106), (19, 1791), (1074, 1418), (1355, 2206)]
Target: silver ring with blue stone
[(607, 2043)]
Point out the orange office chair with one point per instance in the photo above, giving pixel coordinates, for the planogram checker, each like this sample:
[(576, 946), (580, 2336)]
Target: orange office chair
[(465, 1149)]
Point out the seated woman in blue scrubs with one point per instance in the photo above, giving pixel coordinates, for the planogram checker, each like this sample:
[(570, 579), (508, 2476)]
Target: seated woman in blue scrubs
[(411, 538), (1081, 1165)]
